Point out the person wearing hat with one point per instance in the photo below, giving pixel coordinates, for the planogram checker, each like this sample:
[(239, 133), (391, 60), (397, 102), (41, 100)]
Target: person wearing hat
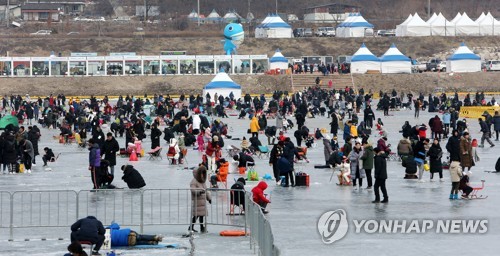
[(380, 163), (94, 161), (327, 148), (485, 129)]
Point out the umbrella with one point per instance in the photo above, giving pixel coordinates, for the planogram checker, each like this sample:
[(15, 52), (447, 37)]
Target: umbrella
[(8, 119)]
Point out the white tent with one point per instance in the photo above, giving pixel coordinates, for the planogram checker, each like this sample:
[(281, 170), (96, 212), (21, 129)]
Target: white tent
[(463, 60), (432, 18), (273, 27), (364, 60), (339, 32), (466, 27), (223, 85), (214, 17), (442, 27), (454, 20), (393, 61), (278, 61), (417, 27), (355, 27), (232, 16), (400, 29), (480, 18), (193, 15), (489, 26)]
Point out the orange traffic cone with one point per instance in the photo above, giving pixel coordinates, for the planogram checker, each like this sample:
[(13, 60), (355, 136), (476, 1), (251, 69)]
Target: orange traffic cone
[(133, 156)]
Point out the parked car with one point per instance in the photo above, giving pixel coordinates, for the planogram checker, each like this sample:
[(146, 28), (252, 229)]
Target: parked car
[(325, 31), (493, 65), (122, 19), (436, 65), (298, 32), (389, 32), (42, 33), (417, 67), (308, 32)]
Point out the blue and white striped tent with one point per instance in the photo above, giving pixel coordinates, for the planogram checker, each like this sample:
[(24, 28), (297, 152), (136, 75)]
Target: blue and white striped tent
[(273, 26), (463, 60), (364, 60), (354, 26), (393, 62), (278, 61), (223, 85)]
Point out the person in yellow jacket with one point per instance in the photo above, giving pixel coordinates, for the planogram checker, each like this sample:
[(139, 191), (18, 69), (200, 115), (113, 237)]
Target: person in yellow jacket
[(254, 127), (354, 130)]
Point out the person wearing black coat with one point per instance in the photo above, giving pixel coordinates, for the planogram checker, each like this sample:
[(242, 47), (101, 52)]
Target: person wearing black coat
[(33, 137), (453, 146), (334, 125), (380, 163), (497, 165), (98, 136), (407, 130), (110, 148), (132, 177), (89, 229), (9, 152), (275, 155), (435, 154), (369, 117), (155, 136), (238, 197)]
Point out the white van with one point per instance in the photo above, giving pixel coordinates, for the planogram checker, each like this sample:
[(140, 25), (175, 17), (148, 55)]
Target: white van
[(493, 65), (325, 31)]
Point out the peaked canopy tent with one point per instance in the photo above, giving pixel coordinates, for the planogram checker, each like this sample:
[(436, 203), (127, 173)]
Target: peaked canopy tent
[(480, 18), (223, 85), (466, 27), (442, 27), (193, 15), (278, 61), (393, 62), (489, 26), (417, 27), (432, 18), (364, 60), (232, 16), (400, 29), (463, 60), (339, 32), (356, 27), (273, 27), (214, 17), (454, 20)]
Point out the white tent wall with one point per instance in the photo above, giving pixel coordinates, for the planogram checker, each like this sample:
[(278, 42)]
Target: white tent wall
[(222, 91), (440, 26), (355, 32), (360, 67), (489, 26), (462, 66), (400, 29), (395, 67), (417, 27), (466, 27), (280, 65), (279, 33)]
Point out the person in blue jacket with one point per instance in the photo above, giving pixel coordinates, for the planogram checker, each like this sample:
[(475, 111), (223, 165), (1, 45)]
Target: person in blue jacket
[(128, 237)]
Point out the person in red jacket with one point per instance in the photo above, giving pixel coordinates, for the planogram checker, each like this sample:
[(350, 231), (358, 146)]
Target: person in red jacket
[(259, 197)]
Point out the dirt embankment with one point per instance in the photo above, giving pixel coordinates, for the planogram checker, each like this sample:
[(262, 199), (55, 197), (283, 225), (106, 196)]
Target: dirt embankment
[(139, 85), (416, 47)]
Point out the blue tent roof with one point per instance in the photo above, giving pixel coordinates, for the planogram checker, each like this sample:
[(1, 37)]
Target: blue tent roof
[(278, 57), (274, 21), (363, 54), (393, 54), (464, 53), (222, 81)]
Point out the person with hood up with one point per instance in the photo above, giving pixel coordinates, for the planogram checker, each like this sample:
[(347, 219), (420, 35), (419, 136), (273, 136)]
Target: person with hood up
[(48, 156), (254, 127), (453, 146), (238, 195), (199, 198), (407, 130), (357, 172), (437, 127), (466, 157), (380, 162), (435, 154), (404, 148), (155, 136), (94, 161), (88, 229), (132, 177), (259, 197), (28, 154), (367, 158), (128, 237), (369, 117)]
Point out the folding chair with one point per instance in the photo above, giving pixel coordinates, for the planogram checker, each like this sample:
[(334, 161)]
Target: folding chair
[(250, 166), (263, 152), (172, 160), (54, 158), (87, 244), (155, 153)]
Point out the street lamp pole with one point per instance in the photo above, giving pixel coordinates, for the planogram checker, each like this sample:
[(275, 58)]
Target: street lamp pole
[(428, 9), (7, 13), (276, 6), (198, 13)]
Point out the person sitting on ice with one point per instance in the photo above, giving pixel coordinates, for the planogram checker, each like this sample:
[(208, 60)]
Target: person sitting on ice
[(259, 197), (345, 172), (465, 187), (220, 173), (128, 237), (48, 156)]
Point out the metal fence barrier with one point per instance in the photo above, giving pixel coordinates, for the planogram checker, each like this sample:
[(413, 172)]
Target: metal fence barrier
[(51, 210)]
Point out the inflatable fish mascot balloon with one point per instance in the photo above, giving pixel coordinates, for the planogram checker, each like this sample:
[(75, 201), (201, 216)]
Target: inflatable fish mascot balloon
[(234, 35)]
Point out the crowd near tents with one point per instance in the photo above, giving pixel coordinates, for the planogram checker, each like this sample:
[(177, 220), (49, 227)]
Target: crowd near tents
[(438, 25), (278, 61)]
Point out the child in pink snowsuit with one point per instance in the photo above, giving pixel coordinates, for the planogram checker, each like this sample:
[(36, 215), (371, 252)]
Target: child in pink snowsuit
[(201, 142)]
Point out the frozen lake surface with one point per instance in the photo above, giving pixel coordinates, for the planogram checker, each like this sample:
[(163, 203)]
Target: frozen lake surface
[(294, 212)]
